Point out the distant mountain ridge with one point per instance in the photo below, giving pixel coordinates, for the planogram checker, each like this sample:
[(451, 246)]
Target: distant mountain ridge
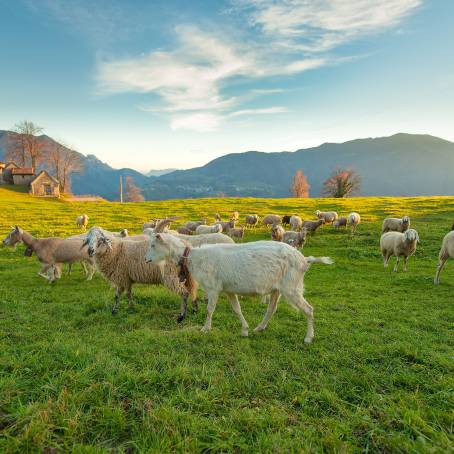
[(399, 165)]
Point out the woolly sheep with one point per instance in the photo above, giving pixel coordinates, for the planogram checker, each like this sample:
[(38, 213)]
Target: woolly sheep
[(398, 244), (257, 268), (184, 231), (82, 221), (295, 239), (446, 251), (296, 223), (353, 221), (396, 224), (327, 216), (271, 219), (192, 225), (251, 220), (227, 225), (237, 232), (216, 228), (312, 226), (340, 222), (277, 232)]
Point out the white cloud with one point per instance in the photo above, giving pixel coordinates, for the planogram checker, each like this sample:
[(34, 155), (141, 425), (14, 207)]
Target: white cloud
[(291, 36)]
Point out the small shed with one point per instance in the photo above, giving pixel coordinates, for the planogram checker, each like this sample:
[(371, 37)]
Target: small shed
[(23, 175), (44, 185), (7, 172)]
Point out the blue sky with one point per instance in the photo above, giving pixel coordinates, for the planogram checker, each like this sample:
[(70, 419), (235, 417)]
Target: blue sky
[(177, 83)]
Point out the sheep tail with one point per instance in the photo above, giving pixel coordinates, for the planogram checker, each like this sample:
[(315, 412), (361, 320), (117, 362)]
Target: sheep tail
[(324, 260)]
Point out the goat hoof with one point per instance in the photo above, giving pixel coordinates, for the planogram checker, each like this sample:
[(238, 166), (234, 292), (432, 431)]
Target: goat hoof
[(245, 333), (308, 340), (205, 330)]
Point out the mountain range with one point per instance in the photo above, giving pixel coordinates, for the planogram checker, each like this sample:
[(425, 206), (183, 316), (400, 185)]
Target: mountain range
[(399, 165)]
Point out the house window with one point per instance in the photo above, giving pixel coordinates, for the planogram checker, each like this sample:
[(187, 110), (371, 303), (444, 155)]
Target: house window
[(47, 189)]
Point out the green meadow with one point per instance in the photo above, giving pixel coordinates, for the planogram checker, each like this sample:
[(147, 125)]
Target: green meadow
[(379, 376)]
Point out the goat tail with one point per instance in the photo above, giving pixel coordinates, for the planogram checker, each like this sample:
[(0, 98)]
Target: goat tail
[(324, 260)]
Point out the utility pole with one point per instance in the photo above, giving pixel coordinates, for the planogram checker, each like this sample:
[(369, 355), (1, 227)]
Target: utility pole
[(121, 189)]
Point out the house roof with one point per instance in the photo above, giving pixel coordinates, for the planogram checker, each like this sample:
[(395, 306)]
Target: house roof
[(11, 163), (23, 171), (40, 174)]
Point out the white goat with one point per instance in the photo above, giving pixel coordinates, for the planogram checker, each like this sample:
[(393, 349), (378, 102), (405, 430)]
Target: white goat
[(201, 229), (400, 245), (446, 251), (258, 268)]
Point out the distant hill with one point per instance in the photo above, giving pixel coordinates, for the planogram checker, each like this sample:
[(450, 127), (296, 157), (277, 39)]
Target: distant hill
[(97, 178), (403, 164), (158, 173)]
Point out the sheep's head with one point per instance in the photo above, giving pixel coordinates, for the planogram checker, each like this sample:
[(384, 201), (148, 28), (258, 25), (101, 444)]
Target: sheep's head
[(406, 220), (124, 233), (13, 237), (318, 213), (411, 235), (97, 242)]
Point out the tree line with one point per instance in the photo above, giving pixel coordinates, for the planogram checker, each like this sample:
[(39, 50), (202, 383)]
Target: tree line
[(341, 183)]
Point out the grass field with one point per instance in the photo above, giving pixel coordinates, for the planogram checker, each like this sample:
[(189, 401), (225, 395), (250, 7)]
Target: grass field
[(378, 377)]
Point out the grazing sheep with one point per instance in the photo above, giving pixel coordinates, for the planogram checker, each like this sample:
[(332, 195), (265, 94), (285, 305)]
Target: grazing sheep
[(201, 229), (227, 225), (122, 262), (192, 225), (296, 223), (327, 216), (277, 232), (396, 224), (295, 239), (312, 226), (82, 221), (398, 244), (52, 252), (446, 251), (286, 220), (353, 220), (258, 268), (235, 216), (207, 238), (251, 220), (271, 219), (340, 222), (184, 231), (237, 233)]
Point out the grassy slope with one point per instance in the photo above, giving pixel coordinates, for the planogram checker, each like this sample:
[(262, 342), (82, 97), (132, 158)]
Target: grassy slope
[(377, 377)]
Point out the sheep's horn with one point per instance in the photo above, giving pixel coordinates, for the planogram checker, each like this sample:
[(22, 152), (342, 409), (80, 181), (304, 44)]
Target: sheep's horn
[(161, 225)]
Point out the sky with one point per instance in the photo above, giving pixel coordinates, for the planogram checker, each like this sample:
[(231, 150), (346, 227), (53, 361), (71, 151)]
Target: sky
[(158, 84)]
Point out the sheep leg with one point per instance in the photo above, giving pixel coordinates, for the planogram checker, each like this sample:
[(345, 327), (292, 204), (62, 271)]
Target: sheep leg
[(70, 265), (440, 265), (405, 263), (91, 271), (272, 306), (116, 305), (396, 266), (386, 257), (130, 298), (237, 309), (212, 301), (183, 309), (299, 302), (44, 269)]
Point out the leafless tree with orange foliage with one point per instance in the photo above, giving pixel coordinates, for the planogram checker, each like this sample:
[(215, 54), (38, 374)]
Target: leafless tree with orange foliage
[(25, 147), (133, 193), (64, 163), (342, 183), (300, 186)]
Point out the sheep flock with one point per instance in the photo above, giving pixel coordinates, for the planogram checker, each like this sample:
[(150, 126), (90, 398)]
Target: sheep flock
[(214, 257)]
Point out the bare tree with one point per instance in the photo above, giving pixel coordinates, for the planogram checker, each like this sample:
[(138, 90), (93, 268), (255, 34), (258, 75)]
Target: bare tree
[(64, 163), (25, 146), (133, 192), (300, 186), (342, 183)]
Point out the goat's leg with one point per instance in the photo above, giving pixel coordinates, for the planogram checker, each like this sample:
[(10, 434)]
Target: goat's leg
[(298, 301), (118, 293), (386, 257), (396, 266), (43, 272), (237, 309), (440, 265), (405, 263), (211, 306), (272, 306), (91, 271)]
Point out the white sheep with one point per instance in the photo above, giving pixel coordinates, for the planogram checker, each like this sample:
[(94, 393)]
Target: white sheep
[(271, 219), (251, 220), (295, 239), (202, 229), (340, 222), (257, 268), (192, 225), (446, 251), (396, 224), (82, 221), (277, 232), (227, 225), (295, 223), (353, 220), (398, 244), (237, 232), (327, 216)]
